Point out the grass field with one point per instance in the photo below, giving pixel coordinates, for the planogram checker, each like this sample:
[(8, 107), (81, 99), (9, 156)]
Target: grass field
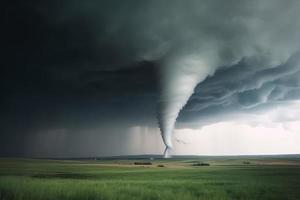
[(225, 178)]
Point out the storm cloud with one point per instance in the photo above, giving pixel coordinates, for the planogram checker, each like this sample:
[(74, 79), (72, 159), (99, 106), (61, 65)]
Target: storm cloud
[(244, 89), (82, 64)]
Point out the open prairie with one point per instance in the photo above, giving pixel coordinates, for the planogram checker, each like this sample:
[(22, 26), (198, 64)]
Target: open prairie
[(135, 178)]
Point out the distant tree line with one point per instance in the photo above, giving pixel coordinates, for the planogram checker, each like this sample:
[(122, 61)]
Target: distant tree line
[(142, 163)]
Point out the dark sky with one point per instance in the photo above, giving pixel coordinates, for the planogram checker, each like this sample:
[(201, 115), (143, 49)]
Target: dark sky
[(72, 66), (57, 74)]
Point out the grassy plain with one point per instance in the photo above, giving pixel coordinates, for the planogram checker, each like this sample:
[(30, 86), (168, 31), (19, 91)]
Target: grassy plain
[(119, 179)]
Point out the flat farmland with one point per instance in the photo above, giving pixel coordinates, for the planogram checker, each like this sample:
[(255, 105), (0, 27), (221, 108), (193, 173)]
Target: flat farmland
[(177, 178)]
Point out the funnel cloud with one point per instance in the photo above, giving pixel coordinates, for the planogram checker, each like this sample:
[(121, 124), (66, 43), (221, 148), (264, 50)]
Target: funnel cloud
[(215, 40)]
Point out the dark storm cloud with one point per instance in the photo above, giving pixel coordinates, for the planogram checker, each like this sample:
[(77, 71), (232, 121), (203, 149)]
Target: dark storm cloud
[(51, 57), (47, 55), (74, 64), (243, 88), (57, 75)]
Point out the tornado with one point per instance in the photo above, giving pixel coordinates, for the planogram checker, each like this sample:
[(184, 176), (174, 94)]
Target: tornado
[(179, 75), (200, 42)]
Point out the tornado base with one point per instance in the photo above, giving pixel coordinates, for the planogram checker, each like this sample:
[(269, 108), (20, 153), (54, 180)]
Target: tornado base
[(167, 152)]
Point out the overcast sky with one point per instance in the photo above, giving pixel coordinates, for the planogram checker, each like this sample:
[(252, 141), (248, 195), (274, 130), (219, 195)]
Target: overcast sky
[(93, 78)]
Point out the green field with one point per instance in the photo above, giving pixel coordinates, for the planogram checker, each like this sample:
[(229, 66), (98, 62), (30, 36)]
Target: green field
[(225, 178)]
